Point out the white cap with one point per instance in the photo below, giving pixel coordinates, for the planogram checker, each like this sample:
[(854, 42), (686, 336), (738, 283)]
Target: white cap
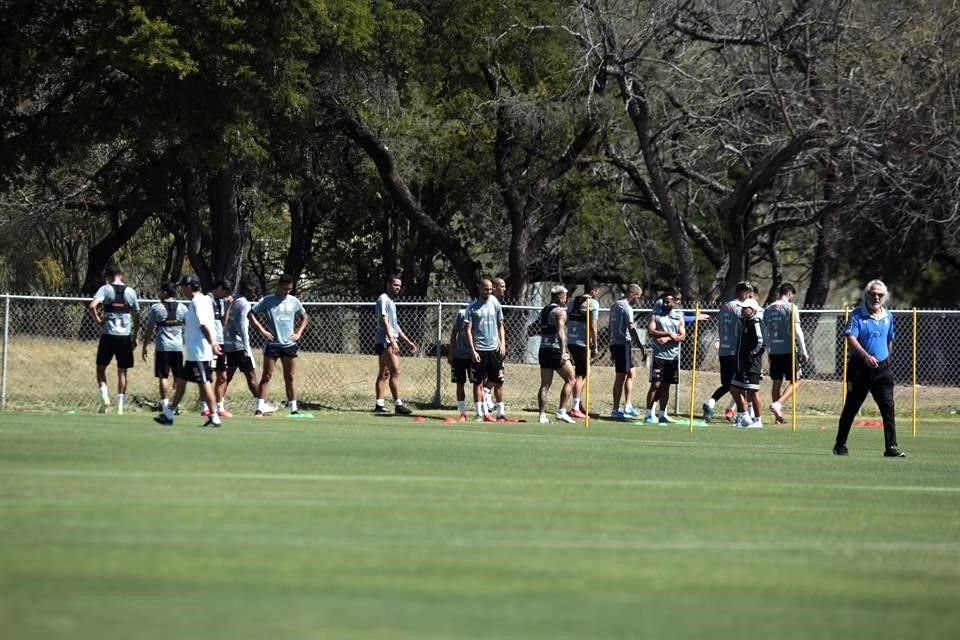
[(750, 303)]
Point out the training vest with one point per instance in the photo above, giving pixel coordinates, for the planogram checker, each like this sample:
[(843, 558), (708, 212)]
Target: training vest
[(119, 304), (548, 327), (579, 311), (171, 307)]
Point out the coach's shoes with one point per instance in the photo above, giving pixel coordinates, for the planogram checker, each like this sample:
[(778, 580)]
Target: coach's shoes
[(841, 450), (402, 410), (707, 412), (893, 452), (563, 416)]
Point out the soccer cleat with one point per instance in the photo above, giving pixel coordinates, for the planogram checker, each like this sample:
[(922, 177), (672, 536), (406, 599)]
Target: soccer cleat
[(777, 412), (210, 423), (544, 419), (379, 409), (488, 418), (649, 420), (258, 414), (707, 412), (294, 413), (630, 412), (103, 407), (893, 452), (402, 410), (223, 413), (665, 420), (576, 413), (841, 450), (269, 408), (162, 419), (462, 417), (743, 421), (616, 414), (728, 414), (565, 417), (756, 423), (205, 413)]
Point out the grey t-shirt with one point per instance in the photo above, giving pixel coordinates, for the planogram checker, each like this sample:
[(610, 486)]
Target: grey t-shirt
[(671, 323), (728, 328), (117, 321), (280, 314), (461, 349), (168, 337), (385, 306), (776, 322), (236, 329), (484, 319), (621, 319), (577, 329)]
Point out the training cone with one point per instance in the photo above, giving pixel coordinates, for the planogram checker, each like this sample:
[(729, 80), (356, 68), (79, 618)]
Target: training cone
[(449, 420), (418, 418)]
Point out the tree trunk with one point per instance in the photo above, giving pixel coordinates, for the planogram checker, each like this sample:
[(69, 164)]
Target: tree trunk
[(227, 242), (100, 254)]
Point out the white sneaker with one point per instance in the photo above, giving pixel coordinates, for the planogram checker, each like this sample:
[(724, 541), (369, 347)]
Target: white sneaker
[(268, 408), (756, 424), (104, 405), (565, 417), (544, 419), (743, 421)]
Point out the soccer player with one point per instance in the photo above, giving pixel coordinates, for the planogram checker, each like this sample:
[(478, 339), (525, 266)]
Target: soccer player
[(553, 355), (746, 381), (387, 347), (666, 329), (500, 293), (200, 347), (286, 321), (577, 338), (459, 358), (777, 322), (488, 348), (729, 330), (622, 329), (220, 300), (238, 354), (120, 324), (165, 322), (870, 337)]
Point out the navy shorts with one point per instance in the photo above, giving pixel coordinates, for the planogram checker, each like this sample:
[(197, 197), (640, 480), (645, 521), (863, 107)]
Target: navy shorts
[(490, 367), (166, 363), (622, 358), (120, 347)]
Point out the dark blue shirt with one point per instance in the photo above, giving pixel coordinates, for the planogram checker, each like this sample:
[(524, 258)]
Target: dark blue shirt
[(874, 335)]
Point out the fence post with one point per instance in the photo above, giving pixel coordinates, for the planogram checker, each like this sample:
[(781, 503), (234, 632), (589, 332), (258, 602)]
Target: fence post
[(6, 350), (436, 390)]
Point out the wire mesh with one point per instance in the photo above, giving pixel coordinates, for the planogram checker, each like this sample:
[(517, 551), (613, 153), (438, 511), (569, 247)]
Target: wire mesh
[(52, 344)]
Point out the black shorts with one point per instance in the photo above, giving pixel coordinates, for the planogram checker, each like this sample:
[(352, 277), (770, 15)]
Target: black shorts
[(550, 359), (490, 367), (665, 371), (167, 362), (780, 366), (119, 346), (622, 358), (459, 370), (380, 348), (199, 372), (750, 373), (728, 369), (279, 351), (239, 360), (220, 362), (578, 356)]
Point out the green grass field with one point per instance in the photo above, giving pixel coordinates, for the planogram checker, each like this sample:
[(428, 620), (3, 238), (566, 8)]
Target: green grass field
[(353, 526)]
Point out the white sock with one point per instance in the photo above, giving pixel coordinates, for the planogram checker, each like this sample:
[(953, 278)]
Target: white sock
[(561, 411), (462, 406), (220, 406), (398, 402), (120, 398), (260, 403), (204, 406), (775, 405), (164, 403), (733, 405), (501, 411), (480, 409), (576, 403), (379, 402), (292, 405), (104, 394), (656, 407), (649, 413), (215, 418), (711, 402), (750, 411)]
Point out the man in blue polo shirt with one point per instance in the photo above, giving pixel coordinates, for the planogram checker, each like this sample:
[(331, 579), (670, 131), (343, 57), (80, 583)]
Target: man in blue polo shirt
[(870, 339)]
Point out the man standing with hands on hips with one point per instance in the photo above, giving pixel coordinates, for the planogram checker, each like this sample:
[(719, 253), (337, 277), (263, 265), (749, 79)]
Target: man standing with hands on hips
[(870, 340)]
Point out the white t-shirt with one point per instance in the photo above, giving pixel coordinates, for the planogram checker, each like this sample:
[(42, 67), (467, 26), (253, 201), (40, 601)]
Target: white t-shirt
[(196, 346)]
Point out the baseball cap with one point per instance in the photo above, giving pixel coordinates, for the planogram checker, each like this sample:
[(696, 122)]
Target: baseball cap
[(750, 303), (190, 280)]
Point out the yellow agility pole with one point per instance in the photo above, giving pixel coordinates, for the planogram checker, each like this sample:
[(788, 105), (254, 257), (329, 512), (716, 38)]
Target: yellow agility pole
[(843, 383), (693, 380), (586, 378), (914, 372), (793, 364)]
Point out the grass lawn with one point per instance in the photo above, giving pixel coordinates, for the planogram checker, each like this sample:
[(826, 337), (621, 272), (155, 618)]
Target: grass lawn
[(354, 526)]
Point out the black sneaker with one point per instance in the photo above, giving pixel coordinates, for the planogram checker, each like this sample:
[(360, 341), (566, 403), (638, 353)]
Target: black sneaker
[(893, 452), (162, 419), (379, 409), (840, 450), (402, 410)]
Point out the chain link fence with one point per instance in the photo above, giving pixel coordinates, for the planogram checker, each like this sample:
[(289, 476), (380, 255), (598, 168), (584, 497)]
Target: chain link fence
[(49, 345)]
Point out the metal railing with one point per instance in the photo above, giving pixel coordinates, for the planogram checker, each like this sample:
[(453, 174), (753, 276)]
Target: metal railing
[(49, 344)]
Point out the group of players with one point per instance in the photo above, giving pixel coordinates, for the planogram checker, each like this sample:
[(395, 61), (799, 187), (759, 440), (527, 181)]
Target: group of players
[(204, 341)]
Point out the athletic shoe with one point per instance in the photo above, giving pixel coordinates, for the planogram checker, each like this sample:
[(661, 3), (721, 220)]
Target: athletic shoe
[(488, 418), (224, 414), (205, 413), (756, 423), (294, 413), (777, 412), (565, 417), (258, 414), (649, 420), (630, 412), (743, 421), (379, 409), (103, 407), (544, 419), (269, 408), (402, 410), (576, 413), (728, 414), (211, 423), (893, 452), (707, 412), (664, 420), (462, 417), (841, 450), (162, 419), (616, 414)]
